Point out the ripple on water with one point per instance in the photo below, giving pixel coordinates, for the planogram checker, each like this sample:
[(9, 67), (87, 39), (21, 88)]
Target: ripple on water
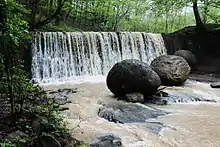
[(195, 125)]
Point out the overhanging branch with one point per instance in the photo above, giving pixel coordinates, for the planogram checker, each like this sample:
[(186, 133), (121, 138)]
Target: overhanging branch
[(52, 16)]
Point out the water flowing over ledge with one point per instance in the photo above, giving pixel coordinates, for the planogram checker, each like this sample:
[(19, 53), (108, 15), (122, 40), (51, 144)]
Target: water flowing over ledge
[(70, 56)]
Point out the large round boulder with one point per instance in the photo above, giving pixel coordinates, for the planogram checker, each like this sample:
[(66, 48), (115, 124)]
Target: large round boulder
[(188, 56), (131, 75), (173, 70)]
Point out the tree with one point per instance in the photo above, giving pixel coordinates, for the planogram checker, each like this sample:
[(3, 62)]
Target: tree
[(13, 30), (42, 12), (168, 6)]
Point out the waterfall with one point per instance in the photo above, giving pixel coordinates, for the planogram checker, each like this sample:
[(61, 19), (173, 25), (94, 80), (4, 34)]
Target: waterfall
[(59, 57)]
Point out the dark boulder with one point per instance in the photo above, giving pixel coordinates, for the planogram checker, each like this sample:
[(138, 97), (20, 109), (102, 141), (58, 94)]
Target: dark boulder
[(106, 141), (131, 75), (188, 56), (215, 85), (173, 70)]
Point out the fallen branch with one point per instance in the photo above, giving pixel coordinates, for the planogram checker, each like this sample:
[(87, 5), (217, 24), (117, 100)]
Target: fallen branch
[(80, 121)]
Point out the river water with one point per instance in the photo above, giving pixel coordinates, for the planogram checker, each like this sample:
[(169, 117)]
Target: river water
[(188, 125)]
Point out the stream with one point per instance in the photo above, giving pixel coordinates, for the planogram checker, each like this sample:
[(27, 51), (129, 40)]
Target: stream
[(187, 124)]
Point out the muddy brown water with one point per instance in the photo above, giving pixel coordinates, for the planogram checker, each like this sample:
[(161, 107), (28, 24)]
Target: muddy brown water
[(195, 123)]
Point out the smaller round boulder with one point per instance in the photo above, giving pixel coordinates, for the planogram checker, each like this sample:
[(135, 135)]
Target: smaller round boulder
[(188, 56), (173, 70), (133, 97), (131, 75)]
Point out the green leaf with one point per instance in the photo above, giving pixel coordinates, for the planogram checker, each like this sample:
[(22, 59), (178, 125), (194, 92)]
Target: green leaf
[(83, 145)]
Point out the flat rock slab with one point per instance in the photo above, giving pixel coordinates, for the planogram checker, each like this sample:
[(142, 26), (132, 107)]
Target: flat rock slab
[(65, 91), (128, 113), (215, 85), (60, 96), (163, 98), (106, 141)]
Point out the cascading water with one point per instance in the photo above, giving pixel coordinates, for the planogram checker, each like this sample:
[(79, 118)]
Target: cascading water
[(58, 56)]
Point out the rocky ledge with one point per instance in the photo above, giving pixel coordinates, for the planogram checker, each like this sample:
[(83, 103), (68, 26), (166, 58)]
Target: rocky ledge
[(60, 96), (164, 98), (122, 112), (108, 140)]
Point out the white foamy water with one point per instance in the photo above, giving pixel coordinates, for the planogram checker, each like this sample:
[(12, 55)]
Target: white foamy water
[(79, 56)]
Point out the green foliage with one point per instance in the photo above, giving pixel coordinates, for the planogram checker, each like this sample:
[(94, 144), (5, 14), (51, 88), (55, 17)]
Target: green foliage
[(60, 28), (14, 28), (117, 15), (25, 98), (14, 142), (7, 144), (50, 111), (13, 32), (83, 145)]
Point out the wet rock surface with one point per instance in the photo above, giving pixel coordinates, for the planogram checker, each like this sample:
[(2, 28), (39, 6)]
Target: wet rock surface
[(123, 112), (155, 127), (60, 96), (133, 97), (173, 70), (109, 140), (133, 113), (131, 75), (215, 85), (164, 98), (129, 113), (188, 56)]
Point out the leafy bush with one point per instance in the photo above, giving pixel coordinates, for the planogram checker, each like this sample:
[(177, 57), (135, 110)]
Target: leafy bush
[(26, 100), (50, 111), (7, 144)]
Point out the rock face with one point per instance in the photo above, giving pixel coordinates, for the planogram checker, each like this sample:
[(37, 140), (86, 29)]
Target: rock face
[(60, 96), (120, 112), (173, 70), (106, 141), (188, 56), (131, 75)]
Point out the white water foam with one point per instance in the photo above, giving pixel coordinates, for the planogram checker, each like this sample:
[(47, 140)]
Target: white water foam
[(87, 56), (75, 80)]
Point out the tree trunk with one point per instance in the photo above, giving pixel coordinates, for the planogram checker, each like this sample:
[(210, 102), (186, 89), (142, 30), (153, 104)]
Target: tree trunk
[(34, 24), (32, 21), (196, 14), (166, 23)]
